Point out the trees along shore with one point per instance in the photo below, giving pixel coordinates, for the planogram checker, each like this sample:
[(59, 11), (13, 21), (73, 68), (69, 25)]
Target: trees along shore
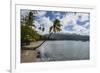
[(29, 34)]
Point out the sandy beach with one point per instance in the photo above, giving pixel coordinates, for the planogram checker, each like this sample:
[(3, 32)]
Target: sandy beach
[(30, 55)]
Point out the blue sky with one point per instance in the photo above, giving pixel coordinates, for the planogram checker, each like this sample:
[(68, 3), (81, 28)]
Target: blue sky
[(73, 22)]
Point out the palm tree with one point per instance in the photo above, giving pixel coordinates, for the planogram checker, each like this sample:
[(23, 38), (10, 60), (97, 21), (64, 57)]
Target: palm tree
[(56, 26), (28, 22), (30, 18), (53, 29)]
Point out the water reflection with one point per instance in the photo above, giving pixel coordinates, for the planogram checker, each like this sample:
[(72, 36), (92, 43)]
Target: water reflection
[(64, 50)]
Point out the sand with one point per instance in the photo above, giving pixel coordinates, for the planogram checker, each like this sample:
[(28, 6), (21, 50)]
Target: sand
[(30, 55)]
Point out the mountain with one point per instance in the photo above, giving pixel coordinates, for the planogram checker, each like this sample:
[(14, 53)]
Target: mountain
[(67, 36)]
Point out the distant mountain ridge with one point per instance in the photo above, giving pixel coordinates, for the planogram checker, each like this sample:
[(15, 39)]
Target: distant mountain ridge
[(67, 36)]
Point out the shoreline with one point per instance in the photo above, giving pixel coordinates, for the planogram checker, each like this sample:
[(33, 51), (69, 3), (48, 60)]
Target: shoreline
[(29, 56)]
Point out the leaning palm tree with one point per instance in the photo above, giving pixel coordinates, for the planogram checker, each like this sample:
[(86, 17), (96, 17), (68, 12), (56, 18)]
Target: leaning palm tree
[(56, 26), (53, 29)]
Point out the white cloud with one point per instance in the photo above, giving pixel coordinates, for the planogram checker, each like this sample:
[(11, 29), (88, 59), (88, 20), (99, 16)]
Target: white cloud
[(24, 12), (46, 22), (68, 19), (80, 30), (58, 17), (84, 16), (41, 13), (87, 25)]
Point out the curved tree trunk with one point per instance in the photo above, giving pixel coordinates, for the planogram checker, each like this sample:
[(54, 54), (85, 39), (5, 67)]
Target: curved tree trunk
[(44, 41)]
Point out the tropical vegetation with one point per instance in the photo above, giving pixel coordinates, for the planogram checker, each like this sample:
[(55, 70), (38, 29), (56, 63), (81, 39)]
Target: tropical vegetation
[(28, 32)]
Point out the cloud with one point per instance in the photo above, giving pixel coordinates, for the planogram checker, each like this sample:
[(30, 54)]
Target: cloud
[(73, 22), (46, 23), (80, 30), (41, 13), (24, 12), (68, 18), (83, 16), (70, 24)]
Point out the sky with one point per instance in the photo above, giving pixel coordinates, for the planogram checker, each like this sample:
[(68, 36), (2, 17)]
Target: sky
[(72, 22)]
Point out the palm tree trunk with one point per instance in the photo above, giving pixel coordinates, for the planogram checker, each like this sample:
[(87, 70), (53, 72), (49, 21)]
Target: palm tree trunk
[(44, 41)]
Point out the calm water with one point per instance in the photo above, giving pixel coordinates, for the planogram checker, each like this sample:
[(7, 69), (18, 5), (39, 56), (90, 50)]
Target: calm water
[(64, 50)]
